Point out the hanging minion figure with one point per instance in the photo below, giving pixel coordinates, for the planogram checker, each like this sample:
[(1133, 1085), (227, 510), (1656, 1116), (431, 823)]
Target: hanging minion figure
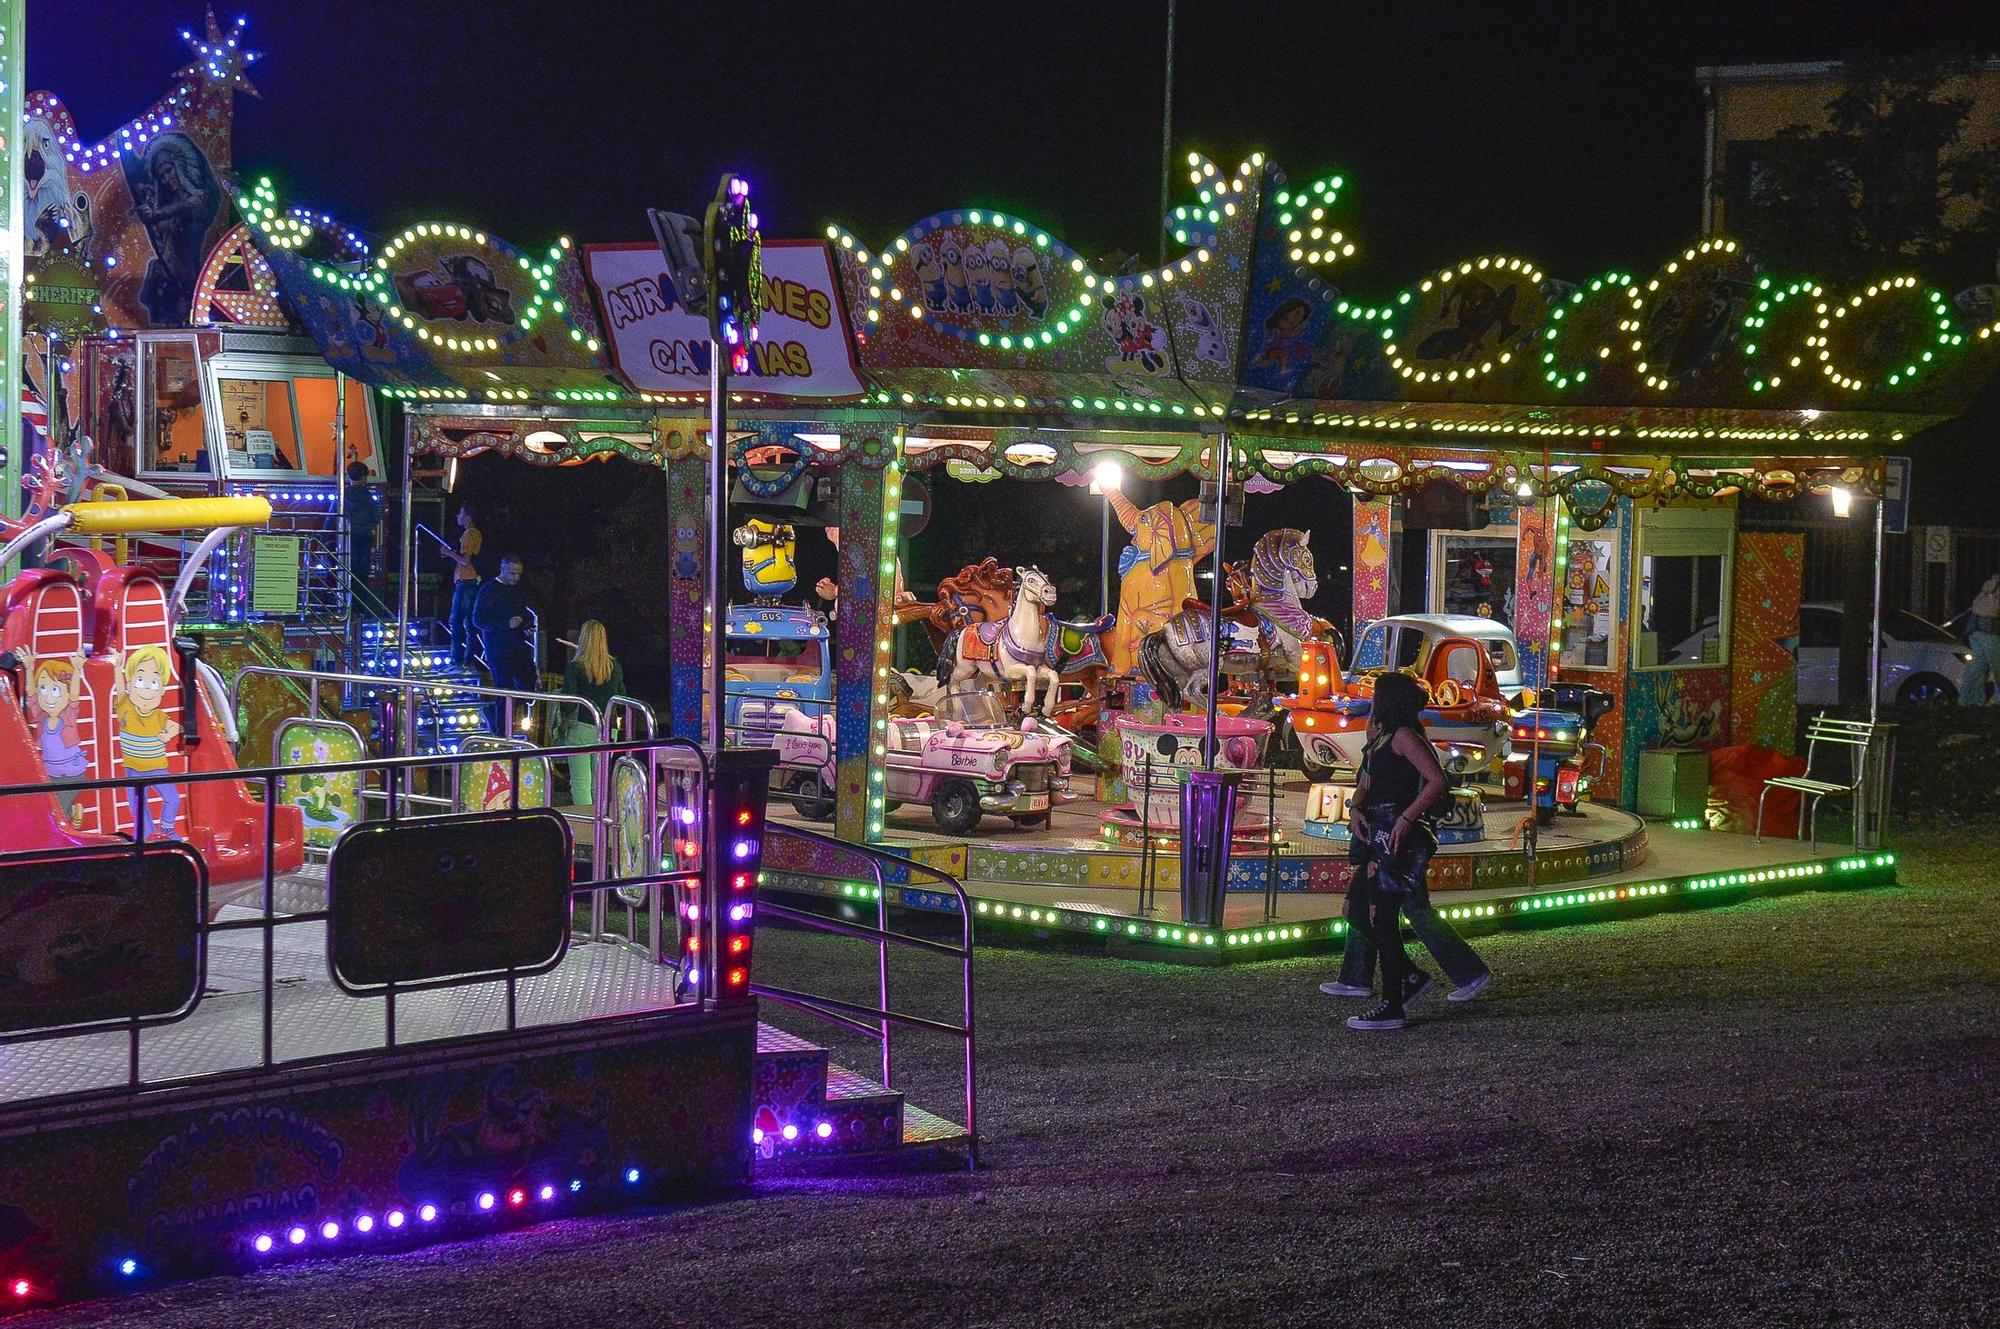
[(770, 557)]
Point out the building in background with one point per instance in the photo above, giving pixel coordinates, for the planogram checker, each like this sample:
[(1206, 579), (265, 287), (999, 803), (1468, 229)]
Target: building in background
[(1748, 106)]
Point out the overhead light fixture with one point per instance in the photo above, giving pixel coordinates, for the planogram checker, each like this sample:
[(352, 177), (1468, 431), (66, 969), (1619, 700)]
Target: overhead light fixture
[(1106, 476), (1843, 501)]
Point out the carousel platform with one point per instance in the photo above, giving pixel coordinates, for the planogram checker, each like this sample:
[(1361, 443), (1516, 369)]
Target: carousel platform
[(1065, 888), (1075, 850)]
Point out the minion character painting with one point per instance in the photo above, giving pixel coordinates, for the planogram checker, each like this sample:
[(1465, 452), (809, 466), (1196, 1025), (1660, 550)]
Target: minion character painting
[(770, 557)]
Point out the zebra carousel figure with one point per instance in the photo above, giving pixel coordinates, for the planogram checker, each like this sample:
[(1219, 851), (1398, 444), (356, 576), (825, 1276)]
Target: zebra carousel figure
[(1267, 620)]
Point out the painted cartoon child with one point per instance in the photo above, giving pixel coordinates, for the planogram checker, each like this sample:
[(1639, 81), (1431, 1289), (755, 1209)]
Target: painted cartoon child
[(58, 686), (1285, 336), (1000, 270), (145, 732), (957, 294), (978, 278)]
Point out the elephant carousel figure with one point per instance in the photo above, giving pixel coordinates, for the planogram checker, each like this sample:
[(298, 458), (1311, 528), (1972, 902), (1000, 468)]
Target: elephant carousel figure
[(1268, 611)]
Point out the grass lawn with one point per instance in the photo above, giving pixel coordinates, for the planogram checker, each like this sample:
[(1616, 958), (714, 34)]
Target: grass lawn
[(1775, 1113)]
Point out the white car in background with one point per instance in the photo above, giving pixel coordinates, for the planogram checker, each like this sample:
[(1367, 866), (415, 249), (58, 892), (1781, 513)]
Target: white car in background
[(1921, 662)]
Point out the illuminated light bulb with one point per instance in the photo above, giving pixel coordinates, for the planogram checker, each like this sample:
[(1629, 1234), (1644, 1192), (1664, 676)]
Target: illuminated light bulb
[(790, 1132), (824, 1130), (297, 1236), (631, 1176), (395, 1218), (547, 1193), (487, 1199), (329, 1230), (517, 1196), (263, 1243)]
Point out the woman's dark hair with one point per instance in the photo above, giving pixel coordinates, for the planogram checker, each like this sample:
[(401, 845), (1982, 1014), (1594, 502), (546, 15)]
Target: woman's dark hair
[(1399, 703)]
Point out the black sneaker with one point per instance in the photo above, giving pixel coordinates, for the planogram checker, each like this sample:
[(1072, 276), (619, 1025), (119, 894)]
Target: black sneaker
[(1379, 1016), (1415, 985)]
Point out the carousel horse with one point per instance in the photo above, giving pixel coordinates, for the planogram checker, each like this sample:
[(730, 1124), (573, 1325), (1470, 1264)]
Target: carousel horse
[(1010, 653), (1266, 600)]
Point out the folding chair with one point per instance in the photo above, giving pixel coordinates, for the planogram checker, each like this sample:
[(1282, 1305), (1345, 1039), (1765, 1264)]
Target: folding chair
[(1855, 736)]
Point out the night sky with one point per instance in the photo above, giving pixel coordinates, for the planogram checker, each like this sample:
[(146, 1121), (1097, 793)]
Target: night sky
[(1571, 134)]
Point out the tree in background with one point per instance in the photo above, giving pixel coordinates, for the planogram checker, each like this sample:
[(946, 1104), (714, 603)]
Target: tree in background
[(1893, 178)]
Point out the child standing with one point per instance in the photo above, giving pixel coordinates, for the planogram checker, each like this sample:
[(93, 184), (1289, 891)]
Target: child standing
[(58, 685), (145, 732)]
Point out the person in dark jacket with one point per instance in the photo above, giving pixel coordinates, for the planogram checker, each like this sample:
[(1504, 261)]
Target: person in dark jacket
[(503, 618), (363, 505)]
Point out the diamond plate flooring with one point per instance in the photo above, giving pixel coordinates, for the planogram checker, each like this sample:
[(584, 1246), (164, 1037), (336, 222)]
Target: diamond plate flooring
[(311, 1018)]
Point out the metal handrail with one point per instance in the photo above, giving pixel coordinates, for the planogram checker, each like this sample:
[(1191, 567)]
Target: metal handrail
[(851, 1015)]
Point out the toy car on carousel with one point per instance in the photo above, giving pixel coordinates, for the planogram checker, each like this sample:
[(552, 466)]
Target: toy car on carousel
[(775, 667), (966, 763), (1466, 720), (1556, 741)]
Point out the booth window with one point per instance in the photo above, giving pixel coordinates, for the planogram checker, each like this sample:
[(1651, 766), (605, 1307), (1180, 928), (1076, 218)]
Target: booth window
[(1473, 574), (1683, 592), (275, 422), (259, 426), (171, 430)]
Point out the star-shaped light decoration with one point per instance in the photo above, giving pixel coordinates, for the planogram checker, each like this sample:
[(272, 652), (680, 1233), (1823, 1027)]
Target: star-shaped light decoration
[(220, 57)]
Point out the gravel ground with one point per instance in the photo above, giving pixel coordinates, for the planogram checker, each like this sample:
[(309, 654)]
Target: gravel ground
[(1777, 1113)]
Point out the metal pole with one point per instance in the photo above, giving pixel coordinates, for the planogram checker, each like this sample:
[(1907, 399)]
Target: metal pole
[(1167, 137), (1875, 641), (718, 540), (1215, 595), (1104, 561), (406, 588)]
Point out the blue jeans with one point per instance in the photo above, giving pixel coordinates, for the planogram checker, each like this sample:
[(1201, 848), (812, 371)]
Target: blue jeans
[(1461, 964), (1985, 648), (170, 805), (464, 636)]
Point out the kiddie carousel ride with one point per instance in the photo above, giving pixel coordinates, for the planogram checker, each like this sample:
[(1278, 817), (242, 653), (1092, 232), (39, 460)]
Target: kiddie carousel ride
[(97, 683)]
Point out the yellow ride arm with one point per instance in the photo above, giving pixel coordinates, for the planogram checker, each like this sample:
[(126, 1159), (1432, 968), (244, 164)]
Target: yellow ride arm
[(166, 514)]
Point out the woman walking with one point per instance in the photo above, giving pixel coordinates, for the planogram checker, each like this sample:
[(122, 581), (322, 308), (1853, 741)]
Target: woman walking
[(596, 676), (1400, 782)]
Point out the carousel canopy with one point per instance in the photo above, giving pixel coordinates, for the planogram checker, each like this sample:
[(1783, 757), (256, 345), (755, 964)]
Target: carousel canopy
[(982, 318)]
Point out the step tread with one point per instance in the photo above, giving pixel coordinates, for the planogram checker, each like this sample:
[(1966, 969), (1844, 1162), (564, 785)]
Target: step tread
[(928, 1129), (770, 1039), (843, 1085)]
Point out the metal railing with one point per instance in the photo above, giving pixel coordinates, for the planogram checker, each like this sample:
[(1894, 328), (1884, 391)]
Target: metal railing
[(270, 921), (880, 1021)]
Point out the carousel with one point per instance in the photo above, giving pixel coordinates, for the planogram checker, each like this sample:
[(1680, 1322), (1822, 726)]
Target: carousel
[(1531, 486)]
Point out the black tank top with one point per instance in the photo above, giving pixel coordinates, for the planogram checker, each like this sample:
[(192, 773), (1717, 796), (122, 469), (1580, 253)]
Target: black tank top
[(1392, 777)]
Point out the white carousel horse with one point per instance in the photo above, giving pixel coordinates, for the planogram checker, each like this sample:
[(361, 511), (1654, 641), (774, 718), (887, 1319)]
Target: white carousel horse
[(1010, 653), (1174, 658)]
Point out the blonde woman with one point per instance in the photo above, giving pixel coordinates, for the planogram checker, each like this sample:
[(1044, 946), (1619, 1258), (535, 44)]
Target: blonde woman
[(595, 675)]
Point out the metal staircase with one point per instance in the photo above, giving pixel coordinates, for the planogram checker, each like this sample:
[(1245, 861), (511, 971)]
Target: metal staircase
[(446, 713)]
